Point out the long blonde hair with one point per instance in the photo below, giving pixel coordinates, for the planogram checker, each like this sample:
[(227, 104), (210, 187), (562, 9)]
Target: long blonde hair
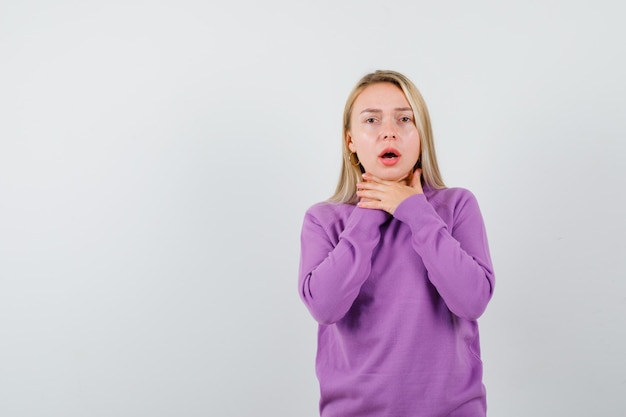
[(350, 175)]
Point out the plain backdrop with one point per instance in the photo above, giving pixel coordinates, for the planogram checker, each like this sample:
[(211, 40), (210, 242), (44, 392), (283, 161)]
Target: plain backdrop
[(157, 157)]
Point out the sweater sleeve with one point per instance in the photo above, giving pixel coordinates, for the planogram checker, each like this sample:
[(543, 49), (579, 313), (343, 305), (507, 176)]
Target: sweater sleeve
[(335, 264), (457, 257)]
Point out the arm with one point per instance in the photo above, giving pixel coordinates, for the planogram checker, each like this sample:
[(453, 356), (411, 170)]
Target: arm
[(457, 259), (334, 264)]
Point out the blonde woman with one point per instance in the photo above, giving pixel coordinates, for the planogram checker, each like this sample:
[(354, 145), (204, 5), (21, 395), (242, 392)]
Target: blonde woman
[(395, 268)]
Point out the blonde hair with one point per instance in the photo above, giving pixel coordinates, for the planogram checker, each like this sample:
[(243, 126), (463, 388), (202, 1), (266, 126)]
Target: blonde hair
[(350, 175)]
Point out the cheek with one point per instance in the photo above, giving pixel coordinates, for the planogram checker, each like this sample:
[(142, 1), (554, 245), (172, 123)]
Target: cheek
[(358, 142), (418, 142)]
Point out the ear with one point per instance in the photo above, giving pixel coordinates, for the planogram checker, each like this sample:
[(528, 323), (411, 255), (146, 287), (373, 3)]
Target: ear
[(350, 143)]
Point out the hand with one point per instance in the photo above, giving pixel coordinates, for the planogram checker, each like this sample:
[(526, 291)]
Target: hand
[(375, 193)]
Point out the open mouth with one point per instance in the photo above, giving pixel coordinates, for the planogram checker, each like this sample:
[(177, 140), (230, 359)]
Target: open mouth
[(389, 157), (389, 153)]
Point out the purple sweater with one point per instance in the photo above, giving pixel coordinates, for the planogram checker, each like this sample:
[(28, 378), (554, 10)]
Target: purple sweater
[(397, 299)]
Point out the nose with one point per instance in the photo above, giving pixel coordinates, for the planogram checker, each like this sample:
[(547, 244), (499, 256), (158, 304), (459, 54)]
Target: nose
[(388, 131)]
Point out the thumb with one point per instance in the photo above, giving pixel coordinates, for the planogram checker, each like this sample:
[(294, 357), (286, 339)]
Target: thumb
[(416, 180)]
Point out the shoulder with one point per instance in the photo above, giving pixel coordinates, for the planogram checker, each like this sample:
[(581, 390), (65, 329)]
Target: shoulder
[(453, 203), (453, 196), (326, 211), (328, 219)]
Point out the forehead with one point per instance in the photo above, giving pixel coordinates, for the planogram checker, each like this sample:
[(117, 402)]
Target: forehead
[(380, 96)]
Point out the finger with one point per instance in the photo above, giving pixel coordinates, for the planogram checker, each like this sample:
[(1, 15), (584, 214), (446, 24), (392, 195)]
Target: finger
[(375, 205), (407, 178), (416, 179), (369, 194), (372, 179), (370, 205), (370, 185)]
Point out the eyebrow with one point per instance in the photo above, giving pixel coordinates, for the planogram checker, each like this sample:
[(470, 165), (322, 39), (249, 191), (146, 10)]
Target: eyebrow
[(380, 111)]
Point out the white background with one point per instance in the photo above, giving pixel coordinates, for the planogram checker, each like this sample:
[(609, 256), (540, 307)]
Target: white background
[(157, 157)]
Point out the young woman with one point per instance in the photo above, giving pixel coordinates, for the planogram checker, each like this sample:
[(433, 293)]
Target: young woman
[(395, 268)]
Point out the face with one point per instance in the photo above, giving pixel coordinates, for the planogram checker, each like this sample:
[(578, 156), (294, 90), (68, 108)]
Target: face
[(383, 132)]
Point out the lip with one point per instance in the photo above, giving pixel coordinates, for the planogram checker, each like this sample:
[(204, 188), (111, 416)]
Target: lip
[(389, 161)]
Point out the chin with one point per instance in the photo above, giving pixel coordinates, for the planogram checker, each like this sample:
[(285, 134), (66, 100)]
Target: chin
[(389, 176), (395, 173)]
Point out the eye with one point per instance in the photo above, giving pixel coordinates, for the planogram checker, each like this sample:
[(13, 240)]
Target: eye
[(370, 120), (405, 119)]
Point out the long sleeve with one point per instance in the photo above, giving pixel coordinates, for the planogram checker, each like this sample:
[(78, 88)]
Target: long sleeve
[(457, 258), (336, 258), (397, 298)]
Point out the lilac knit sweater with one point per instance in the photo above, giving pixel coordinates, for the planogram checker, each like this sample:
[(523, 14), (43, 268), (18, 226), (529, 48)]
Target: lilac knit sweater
[(397, 299)]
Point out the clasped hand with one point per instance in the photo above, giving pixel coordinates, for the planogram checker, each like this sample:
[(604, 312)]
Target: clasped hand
[(375, 193)]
